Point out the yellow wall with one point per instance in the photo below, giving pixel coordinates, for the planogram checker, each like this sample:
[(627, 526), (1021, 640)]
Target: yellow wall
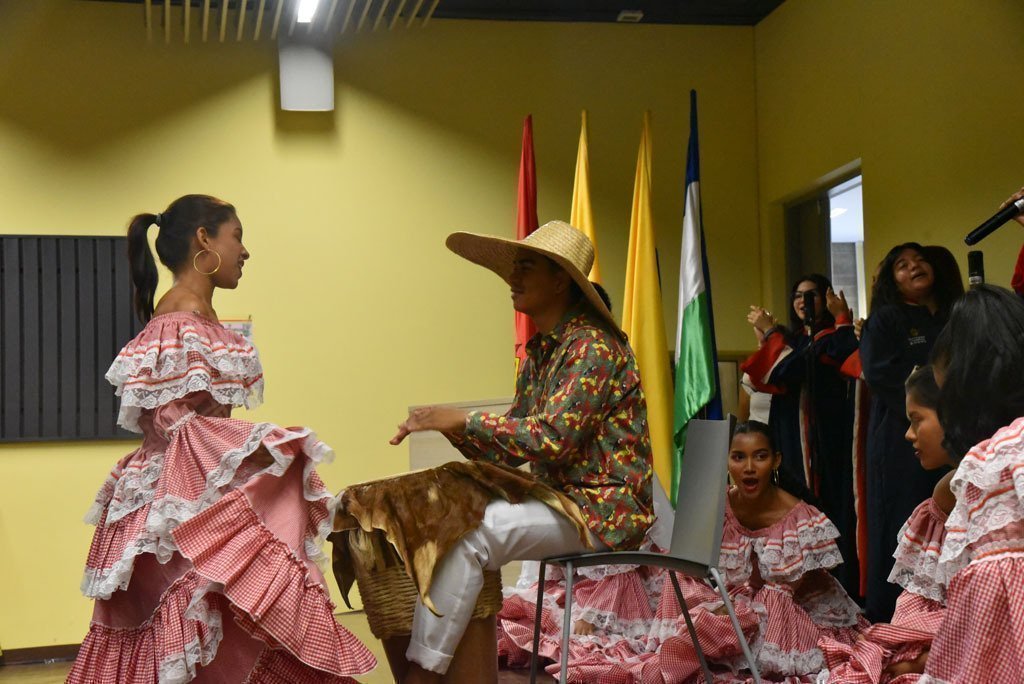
[(359, 310), (921, 92)]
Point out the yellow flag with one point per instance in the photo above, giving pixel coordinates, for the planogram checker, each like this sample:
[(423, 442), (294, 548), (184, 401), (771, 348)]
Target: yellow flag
[(581, 215), (642, 316)]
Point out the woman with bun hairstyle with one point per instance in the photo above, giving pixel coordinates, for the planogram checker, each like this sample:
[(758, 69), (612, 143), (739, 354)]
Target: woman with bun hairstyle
[(202, 563)]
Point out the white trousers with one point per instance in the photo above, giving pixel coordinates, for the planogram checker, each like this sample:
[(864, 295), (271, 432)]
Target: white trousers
[(508, 532)]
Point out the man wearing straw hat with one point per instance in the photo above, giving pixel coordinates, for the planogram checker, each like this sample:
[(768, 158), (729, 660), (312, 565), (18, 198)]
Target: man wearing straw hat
[(579, 418)]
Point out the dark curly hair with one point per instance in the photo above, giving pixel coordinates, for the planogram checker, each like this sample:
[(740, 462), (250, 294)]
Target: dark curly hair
[(949, 282), (946, 288)]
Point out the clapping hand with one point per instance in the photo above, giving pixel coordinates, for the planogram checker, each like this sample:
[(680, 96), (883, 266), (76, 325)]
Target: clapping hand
[(836, 304), (760, 318)]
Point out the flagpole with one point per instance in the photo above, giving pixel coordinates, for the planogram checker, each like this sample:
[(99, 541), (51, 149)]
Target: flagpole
[(713, 411), (526, 223), (697, 390)]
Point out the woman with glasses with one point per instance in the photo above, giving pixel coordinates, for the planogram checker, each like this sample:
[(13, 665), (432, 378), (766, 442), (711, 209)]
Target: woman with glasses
[(813, 402)]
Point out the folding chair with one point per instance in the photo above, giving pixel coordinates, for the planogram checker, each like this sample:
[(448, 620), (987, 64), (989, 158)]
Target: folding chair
[(696, 540)]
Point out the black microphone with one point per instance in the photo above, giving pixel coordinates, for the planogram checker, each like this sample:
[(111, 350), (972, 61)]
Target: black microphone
[(975, 268), (809, 297), (1011, 210)]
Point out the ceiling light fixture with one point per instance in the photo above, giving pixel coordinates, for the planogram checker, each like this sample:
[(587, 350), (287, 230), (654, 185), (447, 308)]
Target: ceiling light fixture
[(307, 8), (837, 212)]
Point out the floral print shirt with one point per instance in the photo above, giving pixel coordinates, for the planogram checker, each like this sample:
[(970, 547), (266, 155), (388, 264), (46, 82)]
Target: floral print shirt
[(579, 418)]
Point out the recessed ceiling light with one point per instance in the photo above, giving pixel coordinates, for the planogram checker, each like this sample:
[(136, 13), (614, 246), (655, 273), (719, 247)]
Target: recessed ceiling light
[(307, 8), (630, 16)]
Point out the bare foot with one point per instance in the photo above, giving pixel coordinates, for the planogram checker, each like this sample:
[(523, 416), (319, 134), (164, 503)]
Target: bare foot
[(915, 666), (584, 628)]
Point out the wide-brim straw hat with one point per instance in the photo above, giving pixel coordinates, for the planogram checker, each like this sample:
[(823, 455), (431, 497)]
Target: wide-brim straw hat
[(567, 246)]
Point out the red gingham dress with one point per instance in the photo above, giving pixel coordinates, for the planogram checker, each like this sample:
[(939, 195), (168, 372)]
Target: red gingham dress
[(982, 636), (782, 630), (202, 562), (920, 609)]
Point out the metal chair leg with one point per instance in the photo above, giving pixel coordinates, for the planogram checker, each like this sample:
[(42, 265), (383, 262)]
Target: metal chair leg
[(566, 621), (720, 585), (536, 621), (689, 626)]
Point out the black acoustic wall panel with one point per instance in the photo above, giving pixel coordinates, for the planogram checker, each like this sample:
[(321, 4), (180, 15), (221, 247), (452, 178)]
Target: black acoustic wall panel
[(65, 312)]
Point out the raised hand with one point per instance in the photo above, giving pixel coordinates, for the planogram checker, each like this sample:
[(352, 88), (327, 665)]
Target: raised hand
[(760, 318), (836, 304)]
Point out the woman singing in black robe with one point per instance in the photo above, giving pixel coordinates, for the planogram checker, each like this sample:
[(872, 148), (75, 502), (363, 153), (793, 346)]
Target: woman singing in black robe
[(812, 408), (909, 307)]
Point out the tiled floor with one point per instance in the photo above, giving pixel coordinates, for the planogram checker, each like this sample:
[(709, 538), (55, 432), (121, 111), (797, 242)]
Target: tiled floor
[(54, 673)]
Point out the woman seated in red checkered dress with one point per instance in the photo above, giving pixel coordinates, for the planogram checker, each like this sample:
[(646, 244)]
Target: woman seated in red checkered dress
[(202, 562), (900, 649), (777, 551), (979, 366), (776, 555)]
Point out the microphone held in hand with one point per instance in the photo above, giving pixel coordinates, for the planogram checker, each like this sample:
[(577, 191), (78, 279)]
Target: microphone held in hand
[(1010, 211), (809, 297)]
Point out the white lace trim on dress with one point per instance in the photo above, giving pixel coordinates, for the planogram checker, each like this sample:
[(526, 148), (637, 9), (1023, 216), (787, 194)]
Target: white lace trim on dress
[(916, 566), (159, 371), (168, 512), (832, 608), (785, 558), (179, 668), (610, 623), (773, 660), (985, 470)]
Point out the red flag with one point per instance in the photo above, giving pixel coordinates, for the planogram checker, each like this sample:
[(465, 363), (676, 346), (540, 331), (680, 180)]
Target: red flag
[(526, 223)]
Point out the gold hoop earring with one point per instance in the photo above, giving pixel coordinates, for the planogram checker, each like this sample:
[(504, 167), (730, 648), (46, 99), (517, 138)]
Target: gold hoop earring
[(196, 258), (775, 477)]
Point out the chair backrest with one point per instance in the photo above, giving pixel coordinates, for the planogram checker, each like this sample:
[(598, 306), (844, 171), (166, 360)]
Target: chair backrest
[(700, 504)]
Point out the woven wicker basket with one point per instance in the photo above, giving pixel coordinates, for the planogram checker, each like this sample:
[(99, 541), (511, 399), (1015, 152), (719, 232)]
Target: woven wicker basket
[(388, 593)]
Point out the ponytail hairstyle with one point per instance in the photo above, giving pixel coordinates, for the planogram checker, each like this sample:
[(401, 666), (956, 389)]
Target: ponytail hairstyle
[(787, 481), (921, 386), (177, 228)]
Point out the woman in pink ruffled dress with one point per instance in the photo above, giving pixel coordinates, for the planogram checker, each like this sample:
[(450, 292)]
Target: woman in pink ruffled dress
[(896, 652), (777, 552), (202, 562), (979, 366), (776, 555)]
